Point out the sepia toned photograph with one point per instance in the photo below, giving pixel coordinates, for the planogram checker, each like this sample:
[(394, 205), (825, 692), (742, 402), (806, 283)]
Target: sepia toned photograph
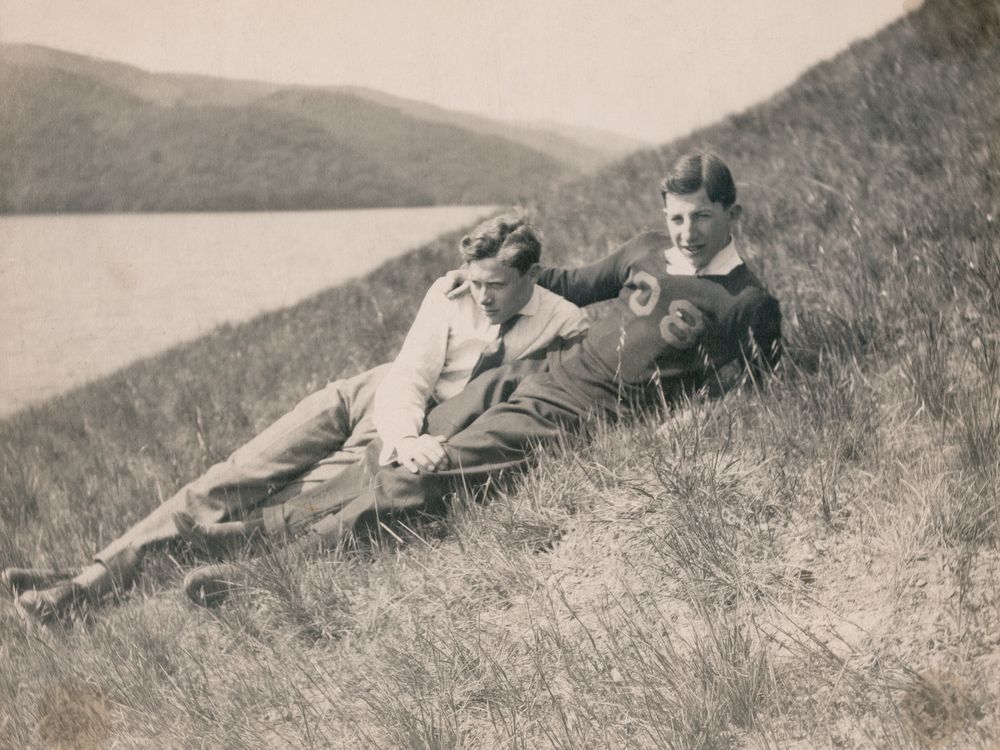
[(473, 375)]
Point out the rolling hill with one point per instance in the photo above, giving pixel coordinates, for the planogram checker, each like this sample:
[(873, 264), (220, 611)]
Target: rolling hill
[(812, 563), (81, 134)]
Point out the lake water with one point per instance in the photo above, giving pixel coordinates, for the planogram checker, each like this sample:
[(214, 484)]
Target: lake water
[(83, 295)]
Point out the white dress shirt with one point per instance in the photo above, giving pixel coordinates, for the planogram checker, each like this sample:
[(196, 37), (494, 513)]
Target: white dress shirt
[(721, 263), (443, 345)]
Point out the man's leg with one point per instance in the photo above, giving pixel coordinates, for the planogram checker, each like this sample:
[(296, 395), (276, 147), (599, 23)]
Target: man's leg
[(320, 493), (501, 439), (337, 480), (211, 584), (282, 513), (329, 488), (481, 394), (319, 425)]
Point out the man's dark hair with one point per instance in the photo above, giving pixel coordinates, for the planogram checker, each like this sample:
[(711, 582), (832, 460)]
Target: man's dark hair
[(699, 170), (508, 238)]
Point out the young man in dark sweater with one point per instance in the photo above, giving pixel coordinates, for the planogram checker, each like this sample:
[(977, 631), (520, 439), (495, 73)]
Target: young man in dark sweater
[(687, 306)]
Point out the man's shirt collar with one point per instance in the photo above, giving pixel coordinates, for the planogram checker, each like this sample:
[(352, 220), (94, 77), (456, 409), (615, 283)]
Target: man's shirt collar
[(724, 261)]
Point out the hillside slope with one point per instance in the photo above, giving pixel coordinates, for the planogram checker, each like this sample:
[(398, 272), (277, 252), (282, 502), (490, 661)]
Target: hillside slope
[(68, 143), (79, 134), (582, 148), (814, 563), (471, 167)]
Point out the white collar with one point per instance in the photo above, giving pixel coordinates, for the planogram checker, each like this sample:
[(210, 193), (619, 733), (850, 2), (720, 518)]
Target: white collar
[(722, 263)]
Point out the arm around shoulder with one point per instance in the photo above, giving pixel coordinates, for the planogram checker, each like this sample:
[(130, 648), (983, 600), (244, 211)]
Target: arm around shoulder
[(592, 283)]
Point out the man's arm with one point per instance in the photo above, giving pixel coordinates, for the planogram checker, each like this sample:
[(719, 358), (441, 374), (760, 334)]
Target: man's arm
[(401, 399), (582, 286), (758, 331), (592, 283), (762, 338)]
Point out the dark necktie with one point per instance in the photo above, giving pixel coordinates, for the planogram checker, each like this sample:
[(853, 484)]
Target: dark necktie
[(492, 355)]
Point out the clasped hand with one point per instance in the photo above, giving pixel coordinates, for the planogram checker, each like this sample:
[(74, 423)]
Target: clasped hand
[(424, 452)]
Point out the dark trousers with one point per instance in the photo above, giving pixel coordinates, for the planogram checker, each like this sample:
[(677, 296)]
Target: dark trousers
[(525, 408)]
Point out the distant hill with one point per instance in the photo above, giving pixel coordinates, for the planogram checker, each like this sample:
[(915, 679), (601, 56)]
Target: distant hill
[(812, 563), (82, 134), (584, 148), (69, 143), (603, 141)]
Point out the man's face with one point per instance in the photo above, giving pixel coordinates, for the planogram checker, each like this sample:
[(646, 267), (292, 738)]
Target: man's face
[(499, 290), (699, 227)]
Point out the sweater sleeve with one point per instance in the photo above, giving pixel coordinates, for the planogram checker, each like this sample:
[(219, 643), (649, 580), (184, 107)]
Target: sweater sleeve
[(760, 335), (766, 327), (596, 282)]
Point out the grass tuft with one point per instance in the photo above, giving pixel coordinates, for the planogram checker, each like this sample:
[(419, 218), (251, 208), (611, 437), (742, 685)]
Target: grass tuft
[(813, 562)]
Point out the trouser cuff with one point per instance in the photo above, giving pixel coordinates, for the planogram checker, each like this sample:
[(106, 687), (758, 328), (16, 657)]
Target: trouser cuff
[(122, 564)]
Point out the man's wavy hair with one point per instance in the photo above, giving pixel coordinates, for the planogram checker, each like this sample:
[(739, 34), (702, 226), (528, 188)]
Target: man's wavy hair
[(508, 238), (698, 170)]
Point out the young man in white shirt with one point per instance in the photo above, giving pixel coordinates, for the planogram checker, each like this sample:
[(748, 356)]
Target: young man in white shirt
[(329, 431), (450, 340)]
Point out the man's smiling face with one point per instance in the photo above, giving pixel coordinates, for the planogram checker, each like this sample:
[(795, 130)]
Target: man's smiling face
[(699, 226)]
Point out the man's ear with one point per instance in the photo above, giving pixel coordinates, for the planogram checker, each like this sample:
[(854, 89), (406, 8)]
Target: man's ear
[(533, 271), (735, 212)]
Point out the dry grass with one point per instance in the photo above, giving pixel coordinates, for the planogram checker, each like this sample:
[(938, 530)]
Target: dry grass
[(812, 563)]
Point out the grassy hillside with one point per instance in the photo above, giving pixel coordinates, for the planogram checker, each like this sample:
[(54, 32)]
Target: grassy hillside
[(814, 564), (83, 135)]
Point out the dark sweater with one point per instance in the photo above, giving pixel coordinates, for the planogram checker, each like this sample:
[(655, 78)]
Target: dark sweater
[(664, 329)]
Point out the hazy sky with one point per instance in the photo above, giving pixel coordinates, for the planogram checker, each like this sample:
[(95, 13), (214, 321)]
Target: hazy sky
[(652, 69)]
